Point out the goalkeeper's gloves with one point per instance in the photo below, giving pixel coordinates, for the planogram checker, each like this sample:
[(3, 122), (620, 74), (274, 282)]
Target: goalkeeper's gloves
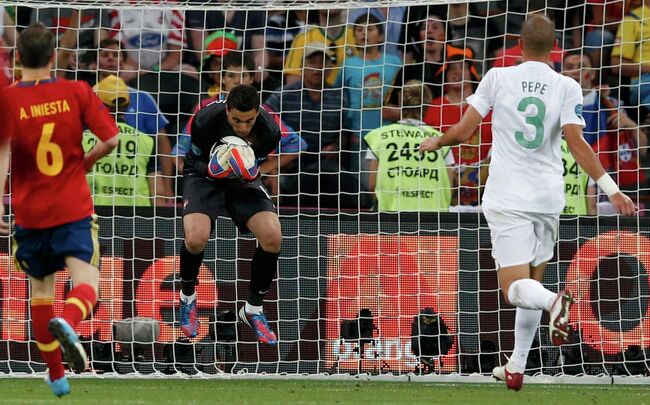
[(219, 165)]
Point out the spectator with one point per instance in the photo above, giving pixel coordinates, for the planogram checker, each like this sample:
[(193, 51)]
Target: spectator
[(142, 114), (579, 188), (468, 29), (430, 53), (631, 54), (395, 21), (472, 157), (332, 31), (246, 25), (153, 38), (7, 43), (608, 129), (401, 177), (76, 61), (216, 46), (282, 26), (125, 177), (365, 78), (601, 22), (314, 109), (83, 25)]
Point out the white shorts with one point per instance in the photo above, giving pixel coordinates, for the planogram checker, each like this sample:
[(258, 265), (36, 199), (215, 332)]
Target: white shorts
[(521, 237)]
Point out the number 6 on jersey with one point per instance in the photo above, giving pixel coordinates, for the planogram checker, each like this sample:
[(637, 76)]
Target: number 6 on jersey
[(49, 156)]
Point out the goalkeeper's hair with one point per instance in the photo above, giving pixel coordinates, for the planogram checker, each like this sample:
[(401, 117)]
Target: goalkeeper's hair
[(243, 98), (35, 46)]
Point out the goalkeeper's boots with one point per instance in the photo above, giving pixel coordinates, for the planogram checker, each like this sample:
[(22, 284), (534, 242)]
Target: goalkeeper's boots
[(59, 387), (189, 318), (260, 325), (73, 352), (514, 381), (559, 327)]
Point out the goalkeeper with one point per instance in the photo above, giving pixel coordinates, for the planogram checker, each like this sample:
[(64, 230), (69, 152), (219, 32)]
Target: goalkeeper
[(210, 188)]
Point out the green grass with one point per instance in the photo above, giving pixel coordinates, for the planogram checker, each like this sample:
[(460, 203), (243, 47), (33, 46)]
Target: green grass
[(220, 391)]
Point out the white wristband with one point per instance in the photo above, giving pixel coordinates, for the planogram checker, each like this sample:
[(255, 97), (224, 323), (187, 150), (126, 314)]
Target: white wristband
[(608, 186)]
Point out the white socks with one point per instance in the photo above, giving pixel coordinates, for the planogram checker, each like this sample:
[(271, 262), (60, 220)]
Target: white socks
[(526, 323), (188, 299), (252, 309), (527, 293)]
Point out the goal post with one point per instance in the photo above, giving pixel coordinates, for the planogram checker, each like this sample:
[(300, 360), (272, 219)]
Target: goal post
[(410, 295)]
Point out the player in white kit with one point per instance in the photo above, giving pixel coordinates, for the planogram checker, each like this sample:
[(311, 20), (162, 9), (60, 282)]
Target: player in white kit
[(531, 106)]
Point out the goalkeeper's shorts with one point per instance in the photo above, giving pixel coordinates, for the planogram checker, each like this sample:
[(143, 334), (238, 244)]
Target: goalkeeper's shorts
[(521, 237), (232, 197), (41, 252)]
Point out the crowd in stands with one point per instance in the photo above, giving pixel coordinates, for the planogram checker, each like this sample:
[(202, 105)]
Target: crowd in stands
[(341, 84)]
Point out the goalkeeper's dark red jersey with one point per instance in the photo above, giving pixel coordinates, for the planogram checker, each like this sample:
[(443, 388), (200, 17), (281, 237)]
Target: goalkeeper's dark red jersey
[(45, 120)]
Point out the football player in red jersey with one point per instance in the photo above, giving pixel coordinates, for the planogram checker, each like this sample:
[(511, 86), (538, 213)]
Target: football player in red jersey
[(45, 118)]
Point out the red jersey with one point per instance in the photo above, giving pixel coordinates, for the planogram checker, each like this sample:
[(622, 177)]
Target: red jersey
[(46, 120), (512, 56), (442, 115)]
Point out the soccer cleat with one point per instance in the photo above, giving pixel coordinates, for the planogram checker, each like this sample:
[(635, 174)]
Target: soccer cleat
[(189, 318), (73, 352), (514, 381), (260, 325), (59, 387), (559, 327)]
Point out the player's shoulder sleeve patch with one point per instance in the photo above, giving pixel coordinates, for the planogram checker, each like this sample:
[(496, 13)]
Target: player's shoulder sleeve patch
[(578, 110)]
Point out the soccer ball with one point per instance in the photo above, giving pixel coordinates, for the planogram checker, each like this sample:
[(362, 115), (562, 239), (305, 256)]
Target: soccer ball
[(242, 160), (233, 158)]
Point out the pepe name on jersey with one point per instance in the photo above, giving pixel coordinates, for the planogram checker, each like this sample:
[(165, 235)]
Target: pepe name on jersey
[(534, 87)]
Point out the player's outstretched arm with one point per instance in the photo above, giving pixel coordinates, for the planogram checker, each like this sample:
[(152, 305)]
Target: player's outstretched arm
[(100, 150), (589, 162), (5, 147), (459, 133)]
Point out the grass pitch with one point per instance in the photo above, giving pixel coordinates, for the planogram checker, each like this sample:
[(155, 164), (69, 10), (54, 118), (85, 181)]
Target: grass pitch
[(221, 391)]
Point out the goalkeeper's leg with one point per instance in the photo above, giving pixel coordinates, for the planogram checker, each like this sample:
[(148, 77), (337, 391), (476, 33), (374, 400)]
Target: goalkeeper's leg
[(265, 226), (197, 231)]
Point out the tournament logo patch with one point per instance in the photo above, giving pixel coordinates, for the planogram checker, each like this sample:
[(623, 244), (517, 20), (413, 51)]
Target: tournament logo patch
[(579, 110)]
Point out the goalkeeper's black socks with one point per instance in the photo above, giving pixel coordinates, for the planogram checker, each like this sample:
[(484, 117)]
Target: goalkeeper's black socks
[(263, 269), (189, 269)]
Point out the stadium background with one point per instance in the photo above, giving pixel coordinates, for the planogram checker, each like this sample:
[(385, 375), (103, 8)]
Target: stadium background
[(330, 269)]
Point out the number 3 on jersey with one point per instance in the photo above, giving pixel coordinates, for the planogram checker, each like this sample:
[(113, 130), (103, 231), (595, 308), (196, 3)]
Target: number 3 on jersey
[(49, 156), (536, 120)]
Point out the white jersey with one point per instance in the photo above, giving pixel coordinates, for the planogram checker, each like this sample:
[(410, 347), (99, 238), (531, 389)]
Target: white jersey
[(530, 104)]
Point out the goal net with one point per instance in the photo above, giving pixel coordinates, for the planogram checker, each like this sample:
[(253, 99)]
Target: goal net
[(372, 280)]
